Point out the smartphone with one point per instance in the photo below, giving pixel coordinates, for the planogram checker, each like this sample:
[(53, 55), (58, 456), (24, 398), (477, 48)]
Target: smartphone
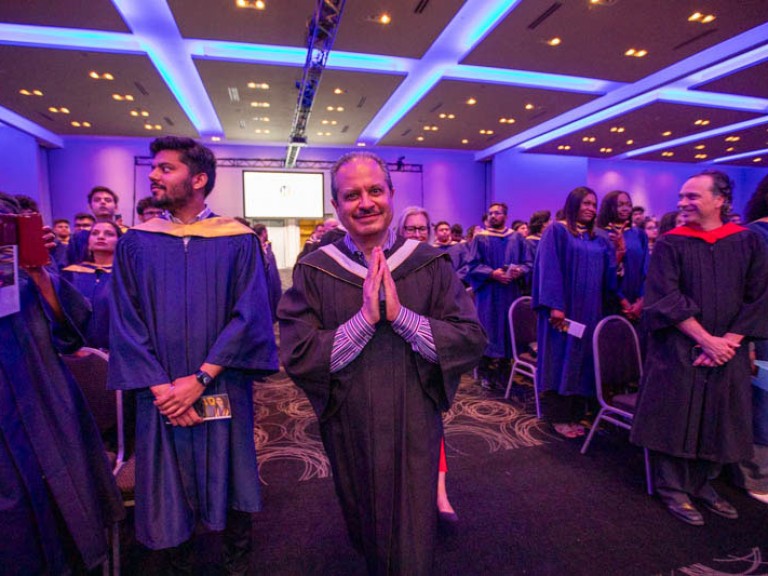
[(32, 250)]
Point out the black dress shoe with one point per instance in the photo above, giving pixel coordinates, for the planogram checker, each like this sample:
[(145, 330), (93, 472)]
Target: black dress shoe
[(722, 508), (686, 512)]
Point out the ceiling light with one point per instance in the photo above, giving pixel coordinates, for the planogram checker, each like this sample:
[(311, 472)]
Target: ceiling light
[(700, 156), (701, 18), (75, 123), (96, 76), (338, 91), (708, 18), (61, 110), (323, 121), (733, 138), (630, 142), (529, 106), (699, 147), (730, 149), (26, 92), (564, 147), (260, 104), (361, 144), (487, 132), (451, 116), (339, 108), (258, 85), (465, 141), (506, 120), (588, 139), (758, 159), (420, 138), (701, 122), (385, 19), (215, 138), (667, 154), (636, 53), (606, 150), (554, 41), (667, 133), (254, 4), (471, 102), (618, 129), (333, 122), (121, 97)]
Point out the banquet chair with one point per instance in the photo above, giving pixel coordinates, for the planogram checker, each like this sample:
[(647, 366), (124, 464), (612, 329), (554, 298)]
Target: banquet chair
[(618, 370), (522, 329)]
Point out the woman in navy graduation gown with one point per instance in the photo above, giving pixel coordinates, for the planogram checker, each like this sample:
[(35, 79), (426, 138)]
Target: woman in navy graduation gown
[(58, 493), (92, 278), (574, 271), (631, 248)]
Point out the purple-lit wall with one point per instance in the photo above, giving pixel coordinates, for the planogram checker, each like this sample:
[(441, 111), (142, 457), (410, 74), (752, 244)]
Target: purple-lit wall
[(23, 167), (451, 187)]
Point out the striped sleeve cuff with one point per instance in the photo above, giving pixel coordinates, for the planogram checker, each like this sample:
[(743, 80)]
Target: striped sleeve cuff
[(415, 329), (349, 340)]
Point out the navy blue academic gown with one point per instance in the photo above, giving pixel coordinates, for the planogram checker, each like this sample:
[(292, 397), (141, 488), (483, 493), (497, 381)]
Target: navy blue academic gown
[(52, 461), (571, 274), (93, 282), (491, 250), (182, 296), (633, 268)]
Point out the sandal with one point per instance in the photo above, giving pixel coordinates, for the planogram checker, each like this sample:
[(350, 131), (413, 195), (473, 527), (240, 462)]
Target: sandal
[(565, 430)]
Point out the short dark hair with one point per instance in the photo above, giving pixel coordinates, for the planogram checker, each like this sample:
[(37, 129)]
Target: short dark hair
[(722, 186), (538, 220), (438, 224), (259, 228), (27, 203), (757, 206), (60, 220), (144, 203), (572, 205), (9, 204), (609, 208), (517, 223), (502, 205), (84, 215), (668, 222), (109, 191), (351, 157), (636, 209), (198, 158), (457, 229)]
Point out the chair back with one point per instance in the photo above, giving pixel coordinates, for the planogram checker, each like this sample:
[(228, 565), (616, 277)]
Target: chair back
[(617, 357), (522, 324)]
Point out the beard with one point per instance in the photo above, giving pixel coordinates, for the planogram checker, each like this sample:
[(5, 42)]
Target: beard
[(175, 197)]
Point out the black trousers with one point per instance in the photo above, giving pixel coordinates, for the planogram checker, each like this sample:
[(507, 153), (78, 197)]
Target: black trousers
[(677, 479)]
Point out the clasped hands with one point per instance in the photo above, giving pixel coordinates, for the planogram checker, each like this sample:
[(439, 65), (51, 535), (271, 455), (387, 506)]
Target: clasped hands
[(717, 350), (175, 400), (379, 277)]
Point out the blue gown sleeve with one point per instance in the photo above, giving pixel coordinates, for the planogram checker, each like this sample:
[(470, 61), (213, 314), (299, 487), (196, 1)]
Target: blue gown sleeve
[(548, 281), (478, 272)]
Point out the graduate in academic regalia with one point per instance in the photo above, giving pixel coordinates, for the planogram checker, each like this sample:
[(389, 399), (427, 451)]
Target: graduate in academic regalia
[(274, 284), (752, 474), (498, 264), (92, 278), (540, 220), (630, 245), (574, 271), (443, 239), (377, 331), (58, 493), (707, 291), (190, 318)]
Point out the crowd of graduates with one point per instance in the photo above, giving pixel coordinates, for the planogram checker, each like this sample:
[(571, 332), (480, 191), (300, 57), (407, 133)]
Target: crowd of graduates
[(596, 257)]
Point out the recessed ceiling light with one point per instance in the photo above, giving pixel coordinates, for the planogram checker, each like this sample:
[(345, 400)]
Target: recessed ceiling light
[(339, 108), (701, 122), (26, 92), (420, 138), (385, 19), (701, 18), (253, 4), (258, 85), (606, 150), (700, 156), (636, 53), (630, 142), (471, 102), (75, 123), (338, 91), (216, 138), (121, 97), (465, 141), (260, 104), (486, 132), (96, 76), (564, 147), (588, 139), (667, 133), (733, 138), (554, 41), (617, 129), (667, 154), (529, 106), (61, 110), (699, 147), (758, 159), (361, 144), (506, 120), (730, 149)]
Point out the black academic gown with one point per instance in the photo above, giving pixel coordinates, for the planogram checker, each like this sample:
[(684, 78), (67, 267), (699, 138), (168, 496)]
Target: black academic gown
[(697, 412), (380, 416)]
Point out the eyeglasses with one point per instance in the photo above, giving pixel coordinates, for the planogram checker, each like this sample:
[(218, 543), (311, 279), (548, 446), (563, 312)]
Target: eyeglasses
[(495, 213), (416, 229)]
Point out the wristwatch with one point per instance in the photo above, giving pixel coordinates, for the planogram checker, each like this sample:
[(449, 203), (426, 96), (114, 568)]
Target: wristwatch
[(204, 378)]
